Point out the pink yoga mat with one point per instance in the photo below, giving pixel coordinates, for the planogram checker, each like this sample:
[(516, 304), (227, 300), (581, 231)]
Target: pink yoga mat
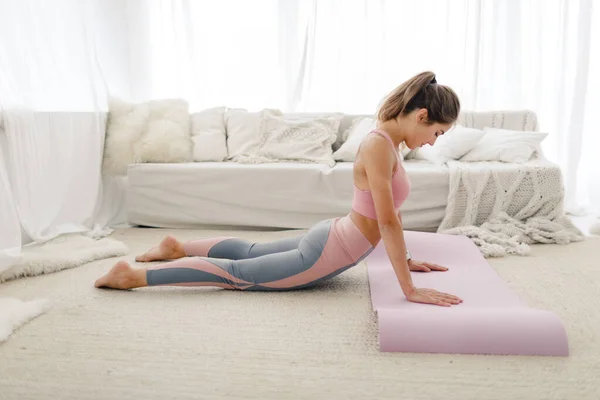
[(491, 319)]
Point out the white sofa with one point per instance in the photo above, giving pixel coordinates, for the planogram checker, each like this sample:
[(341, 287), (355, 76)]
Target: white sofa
[(286, 195)]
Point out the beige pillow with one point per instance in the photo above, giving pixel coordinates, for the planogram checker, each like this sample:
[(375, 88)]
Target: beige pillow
[(294, 139), (242, 132)]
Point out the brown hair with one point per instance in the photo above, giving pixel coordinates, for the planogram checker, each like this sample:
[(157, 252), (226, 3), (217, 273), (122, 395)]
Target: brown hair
[(421, 91)]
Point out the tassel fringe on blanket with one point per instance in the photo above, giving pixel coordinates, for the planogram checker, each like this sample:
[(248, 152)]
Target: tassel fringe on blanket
[(506, 207)]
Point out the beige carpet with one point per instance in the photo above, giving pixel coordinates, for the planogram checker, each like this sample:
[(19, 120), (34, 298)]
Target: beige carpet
[(185, 343)]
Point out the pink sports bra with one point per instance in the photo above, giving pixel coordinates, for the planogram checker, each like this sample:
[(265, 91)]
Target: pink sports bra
[(363, 203)]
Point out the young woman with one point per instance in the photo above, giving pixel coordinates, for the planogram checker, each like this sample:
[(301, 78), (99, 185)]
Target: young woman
[(415, 113)]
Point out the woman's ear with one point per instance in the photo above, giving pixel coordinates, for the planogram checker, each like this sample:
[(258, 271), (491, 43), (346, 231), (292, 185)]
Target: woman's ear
[(422, 116)]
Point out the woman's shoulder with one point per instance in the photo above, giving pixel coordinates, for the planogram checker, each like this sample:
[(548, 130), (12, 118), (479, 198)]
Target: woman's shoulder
[(376, 142)]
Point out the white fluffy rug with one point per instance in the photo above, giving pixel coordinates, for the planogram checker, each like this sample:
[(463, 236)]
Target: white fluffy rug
[(64, 252), (15, 312)]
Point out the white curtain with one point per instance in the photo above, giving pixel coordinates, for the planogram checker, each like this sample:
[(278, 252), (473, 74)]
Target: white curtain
[(10, 233), (208, 52), (51, 93)]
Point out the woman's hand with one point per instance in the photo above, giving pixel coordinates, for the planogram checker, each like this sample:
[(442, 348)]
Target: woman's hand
[(430, 296), (423, 266)]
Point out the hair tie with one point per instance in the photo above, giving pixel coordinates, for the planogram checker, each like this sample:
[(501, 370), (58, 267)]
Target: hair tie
[(433, 81)]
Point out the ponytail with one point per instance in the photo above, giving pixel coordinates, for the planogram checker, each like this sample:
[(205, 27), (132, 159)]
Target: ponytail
[(421, 91)]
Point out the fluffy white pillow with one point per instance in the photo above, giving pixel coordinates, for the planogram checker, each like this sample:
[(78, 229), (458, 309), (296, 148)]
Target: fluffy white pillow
[(125, 125), (457, 142), (294, 138), (452, 145), (155, 131), (167, 136), (505, 145), (353, 136), (243, 132), (209, 135)]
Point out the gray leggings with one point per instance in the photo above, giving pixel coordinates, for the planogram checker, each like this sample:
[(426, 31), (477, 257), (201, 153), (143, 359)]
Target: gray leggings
[(292, 263)]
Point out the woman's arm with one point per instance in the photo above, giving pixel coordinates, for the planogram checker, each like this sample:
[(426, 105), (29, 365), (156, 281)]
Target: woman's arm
[(379, 163), (420, 266), (407, 251)]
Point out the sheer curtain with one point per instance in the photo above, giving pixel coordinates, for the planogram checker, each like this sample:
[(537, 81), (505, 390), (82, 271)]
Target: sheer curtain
[(10, 234), (211, 53), (52, 131)]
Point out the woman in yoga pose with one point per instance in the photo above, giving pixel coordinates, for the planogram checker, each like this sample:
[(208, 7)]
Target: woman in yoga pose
[(415, 113)]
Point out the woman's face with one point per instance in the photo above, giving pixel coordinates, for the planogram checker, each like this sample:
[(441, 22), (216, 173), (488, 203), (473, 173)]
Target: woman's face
[(425, 132)]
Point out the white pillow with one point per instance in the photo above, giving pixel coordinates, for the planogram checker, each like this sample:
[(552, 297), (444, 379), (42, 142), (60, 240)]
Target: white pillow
[(353, 136), (452, 145), (125, 125), (167, 136), (209, 135), (427, 153), (155, 131), (458, 141), (242, 132), (294, 138), (505, 145)]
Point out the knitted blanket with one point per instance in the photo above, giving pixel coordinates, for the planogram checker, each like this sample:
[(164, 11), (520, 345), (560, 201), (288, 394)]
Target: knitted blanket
[(505, 207)]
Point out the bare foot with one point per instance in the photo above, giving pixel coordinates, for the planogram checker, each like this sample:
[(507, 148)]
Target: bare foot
[(168, 249), (122, 276)]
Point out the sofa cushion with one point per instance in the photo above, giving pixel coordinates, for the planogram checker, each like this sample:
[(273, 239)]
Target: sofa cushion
[(209, 134), (282, 195)]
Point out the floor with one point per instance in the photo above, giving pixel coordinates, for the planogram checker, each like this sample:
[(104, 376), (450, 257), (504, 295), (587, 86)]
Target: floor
[(322, 343), (584, 222)]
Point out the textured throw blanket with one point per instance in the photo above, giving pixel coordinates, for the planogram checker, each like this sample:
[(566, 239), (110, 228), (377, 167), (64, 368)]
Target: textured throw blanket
[(505, 207)]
